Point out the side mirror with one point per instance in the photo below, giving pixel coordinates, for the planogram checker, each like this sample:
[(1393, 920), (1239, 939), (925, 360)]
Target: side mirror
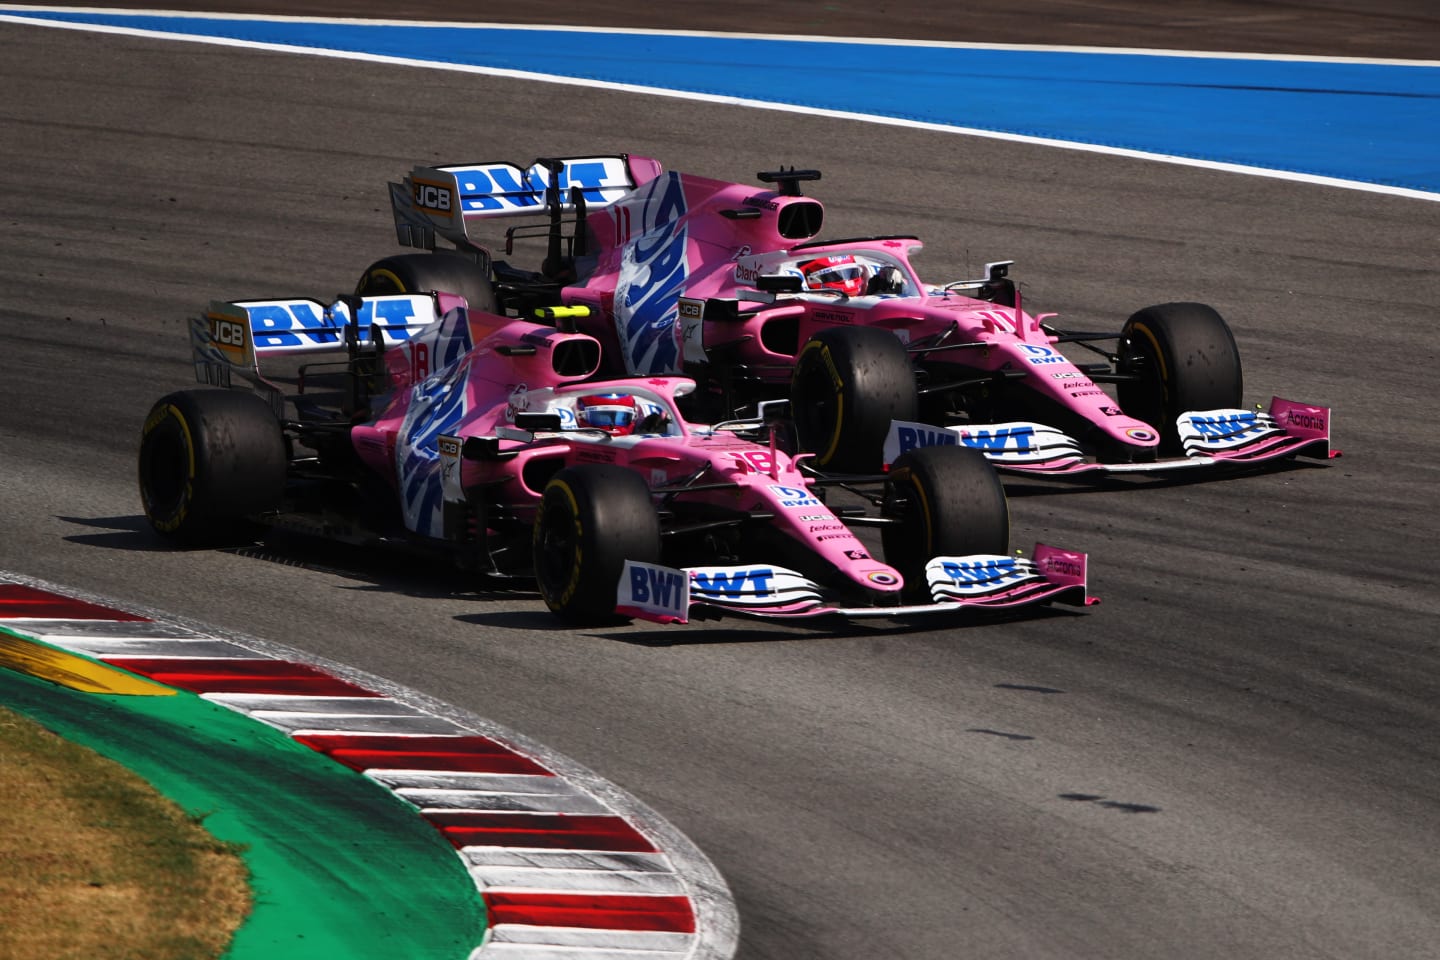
[(779, 283)]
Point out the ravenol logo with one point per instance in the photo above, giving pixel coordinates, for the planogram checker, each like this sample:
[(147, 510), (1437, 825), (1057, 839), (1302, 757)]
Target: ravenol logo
[(913, 437), (735, 583), (793, 498)]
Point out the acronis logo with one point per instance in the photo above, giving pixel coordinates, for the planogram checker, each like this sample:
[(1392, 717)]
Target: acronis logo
[(652, 275)]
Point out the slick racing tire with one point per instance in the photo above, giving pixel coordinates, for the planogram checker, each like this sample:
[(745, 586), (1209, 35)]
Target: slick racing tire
[(592, 518), (1183, 357), (847, 385), (947, 502), (209, 461), (430, 273)]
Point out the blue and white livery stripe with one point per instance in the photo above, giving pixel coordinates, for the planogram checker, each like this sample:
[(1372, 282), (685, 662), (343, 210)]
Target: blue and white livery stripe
[(502, 189), (303, 325)]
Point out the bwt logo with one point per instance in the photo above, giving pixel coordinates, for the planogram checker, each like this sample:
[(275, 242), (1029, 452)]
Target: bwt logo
[(736, 583), (661, 588), (1225, 427), (1018, 439), (499, 187), (972, 572), (792, 497), (913, 437), (304, 322), (1039, 355)]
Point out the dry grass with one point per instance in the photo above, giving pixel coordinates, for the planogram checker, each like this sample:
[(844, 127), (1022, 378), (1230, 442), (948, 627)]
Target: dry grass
[(95, 863)]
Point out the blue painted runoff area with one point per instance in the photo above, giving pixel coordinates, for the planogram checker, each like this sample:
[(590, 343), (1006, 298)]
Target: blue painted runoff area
[(1371, 123)]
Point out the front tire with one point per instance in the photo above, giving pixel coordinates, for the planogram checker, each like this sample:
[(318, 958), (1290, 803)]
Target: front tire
[(209, 461), (430, 273), (948, 502), (848, 384), (1184, 357), (591, 520)]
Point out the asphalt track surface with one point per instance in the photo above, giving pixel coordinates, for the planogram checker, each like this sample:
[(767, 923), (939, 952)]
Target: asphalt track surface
[(1234, 756)]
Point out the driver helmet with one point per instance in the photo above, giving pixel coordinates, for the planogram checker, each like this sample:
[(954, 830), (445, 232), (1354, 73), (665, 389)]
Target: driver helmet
[(615, 413), (843, 272)]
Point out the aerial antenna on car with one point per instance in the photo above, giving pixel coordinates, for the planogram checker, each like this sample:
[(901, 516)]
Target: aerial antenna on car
[(789, 180)]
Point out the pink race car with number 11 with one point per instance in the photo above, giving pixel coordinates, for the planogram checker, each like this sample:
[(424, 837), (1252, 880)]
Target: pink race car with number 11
[(727, 284)]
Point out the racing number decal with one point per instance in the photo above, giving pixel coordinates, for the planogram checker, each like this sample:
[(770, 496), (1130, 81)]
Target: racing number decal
[(756, 461), (419, 361)]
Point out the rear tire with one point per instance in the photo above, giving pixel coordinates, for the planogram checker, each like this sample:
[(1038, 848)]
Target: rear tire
[(430, 273), (209, 461), (591, 520), (949, 503), (1185, 358), (847, 385)]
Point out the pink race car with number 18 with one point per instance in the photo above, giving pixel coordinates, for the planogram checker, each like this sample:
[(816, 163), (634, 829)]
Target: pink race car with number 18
[(727, 284), (412, 420)]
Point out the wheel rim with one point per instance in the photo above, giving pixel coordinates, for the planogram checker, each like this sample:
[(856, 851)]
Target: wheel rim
[(556, 544), (165, 469)]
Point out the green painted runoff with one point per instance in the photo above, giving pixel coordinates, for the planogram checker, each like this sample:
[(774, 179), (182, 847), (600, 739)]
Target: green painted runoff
[(339, 866)]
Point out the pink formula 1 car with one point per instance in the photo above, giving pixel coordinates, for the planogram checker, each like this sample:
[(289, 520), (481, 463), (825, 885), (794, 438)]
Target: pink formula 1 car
[(410, 417), (726, 284)]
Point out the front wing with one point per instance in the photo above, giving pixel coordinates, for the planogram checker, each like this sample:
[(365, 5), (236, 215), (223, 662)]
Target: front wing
[(1211, 438), (983, 581)]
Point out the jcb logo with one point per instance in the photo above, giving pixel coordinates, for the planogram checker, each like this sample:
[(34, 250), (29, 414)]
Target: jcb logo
[(227, 333), (430, 196)]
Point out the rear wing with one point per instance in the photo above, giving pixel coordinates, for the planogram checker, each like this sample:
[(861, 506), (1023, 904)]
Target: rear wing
[(442, 200), (233, 336)]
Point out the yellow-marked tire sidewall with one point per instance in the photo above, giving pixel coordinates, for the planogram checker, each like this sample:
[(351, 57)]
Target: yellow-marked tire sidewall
[(559, 496), (817, 351), (167, 427)]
